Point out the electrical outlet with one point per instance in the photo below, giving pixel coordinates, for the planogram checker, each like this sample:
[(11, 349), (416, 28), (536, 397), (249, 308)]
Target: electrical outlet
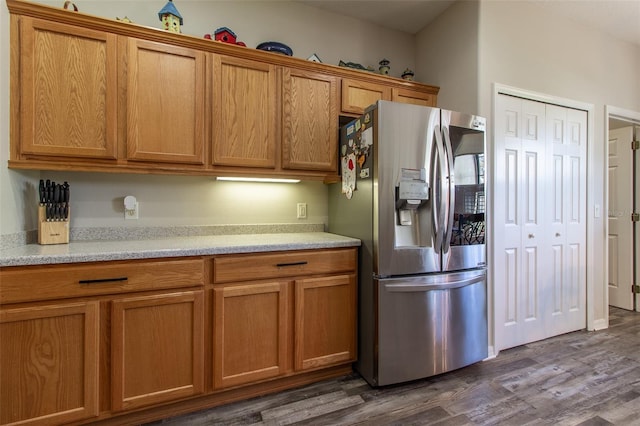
[(302, 210), (131, 213)]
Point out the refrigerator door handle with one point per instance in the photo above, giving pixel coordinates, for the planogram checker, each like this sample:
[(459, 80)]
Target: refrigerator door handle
[(439, 202), (451, 188), (397, 288)]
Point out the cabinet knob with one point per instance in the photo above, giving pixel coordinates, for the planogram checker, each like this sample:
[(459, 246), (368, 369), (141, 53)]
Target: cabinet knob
[(532, 236), (557, 234)]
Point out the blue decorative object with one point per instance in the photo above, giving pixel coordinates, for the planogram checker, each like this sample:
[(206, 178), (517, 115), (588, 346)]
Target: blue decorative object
[(274, 46)]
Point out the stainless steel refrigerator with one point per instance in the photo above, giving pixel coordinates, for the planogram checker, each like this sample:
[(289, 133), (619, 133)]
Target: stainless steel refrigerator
[(413, 191)]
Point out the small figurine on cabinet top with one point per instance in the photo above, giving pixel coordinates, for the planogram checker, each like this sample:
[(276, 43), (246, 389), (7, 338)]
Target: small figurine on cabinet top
[(355, 66), (407, 74), (314, 58), (384, 67), (170, 17), (224, 35), (71, 4)]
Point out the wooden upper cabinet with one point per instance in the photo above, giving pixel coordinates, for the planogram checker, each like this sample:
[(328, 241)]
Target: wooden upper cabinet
[(244, 115), (408, 96), (157, 348), (310, 121), (68, 90), (94, 94), (358, 95), (49, 363), (165, 102)]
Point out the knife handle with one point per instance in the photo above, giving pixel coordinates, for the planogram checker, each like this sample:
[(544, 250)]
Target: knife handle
[(41, 191), (56, 193)]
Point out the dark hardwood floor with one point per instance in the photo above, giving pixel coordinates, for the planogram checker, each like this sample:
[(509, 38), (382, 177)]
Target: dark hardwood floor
[(581, 378)]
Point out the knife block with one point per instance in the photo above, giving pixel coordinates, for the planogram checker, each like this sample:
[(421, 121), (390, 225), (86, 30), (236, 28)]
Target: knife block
[(52, 232)]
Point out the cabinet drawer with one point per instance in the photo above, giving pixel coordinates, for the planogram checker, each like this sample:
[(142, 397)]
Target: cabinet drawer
[(30, 283), (284, 264)]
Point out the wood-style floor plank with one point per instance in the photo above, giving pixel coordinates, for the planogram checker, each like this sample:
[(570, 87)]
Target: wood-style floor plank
[(582, 378)]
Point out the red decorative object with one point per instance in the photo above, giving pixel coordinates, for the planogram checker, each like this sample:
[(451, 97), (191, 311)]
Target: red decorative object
[(224, 35)]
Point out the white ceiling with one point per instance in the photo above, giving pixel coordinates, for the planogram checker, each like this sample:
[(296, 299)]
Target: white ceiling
[(620, 18)]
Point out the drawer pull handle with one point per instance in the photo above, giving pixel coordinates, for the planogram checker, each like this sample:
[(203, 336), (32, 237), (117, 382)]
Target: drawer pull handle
[(282, 265), (102, 280)]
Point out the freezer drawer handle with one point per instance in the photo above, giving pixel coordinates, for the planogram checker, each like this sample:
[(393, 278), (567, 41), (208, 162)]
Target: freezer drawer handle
[(282, 265), (103, 280), (429, 287)]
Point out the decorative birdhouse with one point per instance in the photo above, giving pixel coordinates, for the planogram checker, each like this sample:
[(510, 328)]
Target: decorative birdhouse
[(384, 67), (170, 17), (407, 74), (225, 35)]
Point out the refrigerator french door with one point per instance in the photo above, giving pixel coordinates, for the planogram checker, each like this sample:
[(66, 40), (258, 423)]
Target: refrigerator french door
[(413, 192)]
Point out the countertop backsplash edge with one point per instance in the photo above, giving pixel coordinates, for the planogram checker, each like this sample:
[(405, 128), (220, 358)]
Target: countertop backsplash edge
[(122, 233)]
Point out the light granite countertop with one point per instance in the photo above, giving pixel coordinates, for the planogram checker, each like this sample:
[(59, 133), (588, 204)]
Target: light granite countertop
[(94, 251)]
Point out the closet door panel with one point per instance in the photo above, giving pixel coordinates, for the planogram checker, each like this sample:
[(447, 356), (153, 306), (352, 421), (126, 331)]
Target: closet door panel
[(540, 220)]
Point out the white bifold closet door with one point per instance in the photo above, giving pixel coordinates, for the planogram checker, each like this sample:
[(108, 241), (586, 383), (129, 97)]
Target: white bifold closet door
[(540, 221)]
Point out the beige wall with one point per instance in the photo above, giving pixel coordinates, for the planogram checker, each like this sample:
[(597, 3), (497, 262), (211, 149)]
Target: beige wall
[(97, 198), (522, 45), (475, 45), (447, 56)]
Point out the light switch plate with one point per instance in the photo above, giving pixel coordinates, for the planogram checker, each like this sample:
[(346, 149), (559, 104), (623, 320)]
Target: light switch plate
[(302, 210)]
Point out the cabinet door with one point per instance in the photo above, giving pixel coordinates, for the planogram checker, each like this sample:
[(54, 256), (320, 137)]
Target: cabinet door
[(244, 113), (68, 90), (412, 97), (310, 121), (165, 103), (358, 95), (325, 321), (49, 363), (250, 328), (157, 348)]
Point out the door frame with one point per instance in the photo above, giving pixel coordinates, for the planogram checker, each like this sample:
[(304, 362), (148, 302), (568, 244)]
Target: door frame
[(593, 207), (633, 118)]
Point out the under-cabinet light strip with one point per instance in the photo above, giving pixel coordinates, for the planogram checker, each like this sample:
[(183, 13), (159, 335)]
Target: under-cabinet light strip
[(252, 179)]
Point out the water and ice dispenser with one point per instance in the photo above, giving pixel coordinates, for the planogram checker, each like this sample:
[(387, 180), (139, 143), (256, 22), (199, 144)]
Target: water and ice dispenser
[(411, 193)]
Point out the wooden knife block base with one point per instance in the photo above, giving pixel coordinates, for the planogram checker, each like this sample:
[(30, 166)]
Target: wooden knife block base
[(52, 232)]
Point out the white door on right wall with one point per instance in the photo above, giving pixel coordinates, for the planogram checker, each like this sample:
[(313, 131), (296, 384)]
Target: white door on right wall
[(540, 178), (620, 239)]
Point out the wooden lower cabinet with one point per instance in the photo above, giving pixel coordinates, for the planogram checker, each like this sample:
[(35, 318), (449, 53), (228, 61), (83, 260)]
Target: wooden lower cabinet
[(130, 342), (283, 313), (157, 348), (325, 324), (252, 330), (250, 333), (49, 363)]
